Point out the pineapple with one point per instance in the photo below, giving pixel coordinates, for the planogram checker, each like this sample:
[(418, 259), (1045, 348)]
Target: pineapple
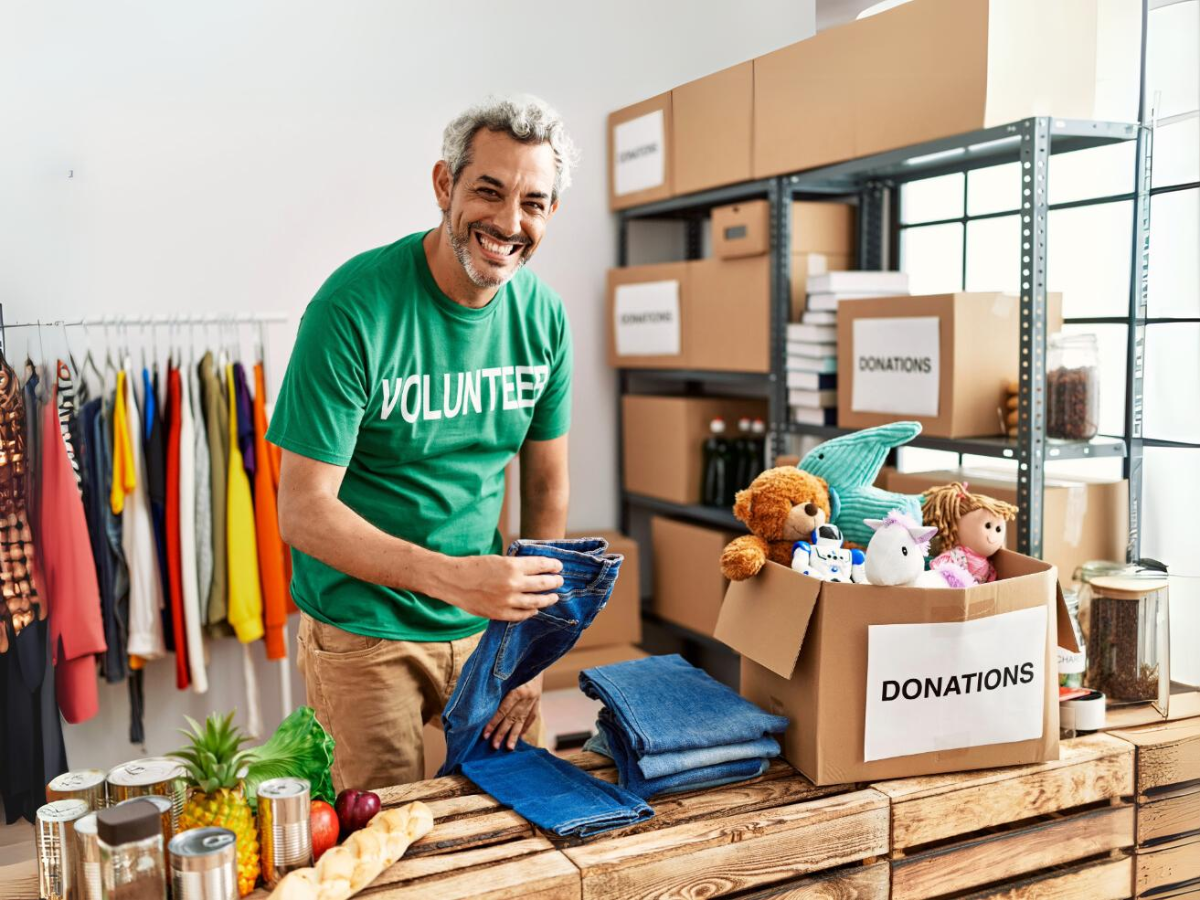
[(213, 760)]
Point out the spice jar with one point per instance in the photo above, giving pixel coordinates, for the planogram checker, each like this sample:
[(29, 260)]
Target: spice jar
[(1129, 646), (1072, 387), (131, 852)]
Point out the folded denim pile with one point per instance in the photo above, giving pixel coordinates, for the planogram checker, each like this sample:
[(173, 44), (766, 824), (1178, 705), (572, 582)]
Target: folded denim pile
[(670, 727)]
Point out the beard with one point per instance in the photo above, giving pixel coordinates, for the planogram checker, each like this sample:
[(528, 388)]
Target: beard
[(460, 243)]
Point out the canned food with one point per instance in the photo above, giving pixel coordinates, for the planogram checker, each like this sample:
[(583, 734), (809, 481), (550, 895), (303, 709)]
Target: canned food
[(85, 784), (57, 851), (88, 842), (165, 812), (204, 865), (284, 827), (161, 775)]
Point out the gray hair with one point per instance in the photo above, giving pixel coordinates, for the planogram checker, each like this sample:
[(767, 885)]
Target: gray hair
[(525, 118)]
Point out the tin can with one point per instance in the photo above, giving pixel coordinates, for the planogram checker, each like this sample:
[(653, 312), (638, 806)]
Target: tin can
[(204, 865), (88, 841), (57, 851), (284, 827), (85, 784), (166, 812), (159, 775)]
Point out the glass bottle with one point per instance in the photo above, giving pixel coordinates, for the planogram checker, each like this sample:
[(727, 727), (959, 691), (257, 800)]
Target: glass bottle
[(132, 863), (716, 465), (1072, 387)]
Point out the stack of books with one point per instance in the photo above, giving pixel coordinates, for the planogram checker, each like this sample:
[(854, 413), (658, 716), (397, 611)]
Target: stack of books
[(812, 342)]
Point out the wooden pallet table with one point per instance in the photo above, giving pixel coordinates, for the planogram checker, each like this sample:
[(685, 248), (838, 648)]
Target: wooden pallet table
[(1057, 830), (1167, 767), (777, 836)]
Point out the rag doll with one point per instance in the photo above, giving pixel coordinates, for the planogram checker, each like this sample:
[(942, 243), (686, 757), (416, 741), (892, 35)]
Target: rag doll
[(970, 527)]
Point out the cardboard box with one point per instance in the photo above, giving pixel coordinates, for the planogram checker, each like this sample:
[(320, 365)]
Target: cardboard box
[(941, 360), (712, 129), (648, 311), (934, 68), (620, 622), (565, 673), (805, 654), (663, 437), (1082, 518), (744, 229), (688, 585), (640, 160), (727, 321)]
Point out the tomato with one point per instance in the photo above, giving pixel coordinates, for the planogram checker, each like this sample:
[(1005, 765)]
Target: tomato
[(324, 822)]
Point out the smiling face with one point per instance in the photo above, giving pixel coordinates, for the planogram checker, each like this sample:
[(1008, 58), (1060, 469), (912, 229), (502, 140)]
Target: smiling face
[(495, 213), (982, 531)]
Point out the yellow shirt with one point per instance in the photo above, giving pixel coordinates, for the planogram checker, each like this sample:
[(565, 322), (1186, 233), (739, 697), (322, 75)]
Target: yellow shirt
[(245, 595), (124, 477)]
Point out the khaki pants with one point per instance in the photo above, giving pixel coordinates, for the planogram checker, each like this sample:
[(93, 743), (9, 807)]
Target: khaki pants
[(374, 696)]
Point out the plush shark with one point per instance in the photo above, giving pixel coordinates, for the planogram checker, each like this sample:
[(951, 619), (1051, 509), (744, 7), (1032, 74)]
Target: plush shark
[(849, 464)]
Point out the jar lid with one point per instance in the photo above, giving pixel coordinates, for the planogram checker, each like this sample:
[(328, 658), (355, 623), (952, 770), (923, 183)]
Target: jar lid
[(1125, 587), (128, 822)]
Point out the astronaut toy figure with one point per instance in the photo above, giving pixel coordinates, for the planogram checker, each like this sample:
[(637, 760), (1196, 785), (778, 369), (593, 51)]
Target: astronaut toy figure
[(823, 557)]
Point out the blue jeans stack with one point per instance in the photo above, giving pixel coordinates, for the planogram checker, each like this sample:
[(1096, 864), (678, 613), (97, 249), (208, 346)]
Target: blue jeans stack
[(670, 727), (544, 789)]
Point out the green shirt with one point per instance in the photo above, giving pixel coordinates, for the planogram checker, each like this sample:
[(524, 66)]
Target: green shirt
[(424, 401)]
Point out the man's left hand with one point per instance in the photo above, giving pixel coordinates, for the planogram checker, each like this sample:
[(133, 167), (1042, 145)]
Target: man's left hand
[(516, 715)]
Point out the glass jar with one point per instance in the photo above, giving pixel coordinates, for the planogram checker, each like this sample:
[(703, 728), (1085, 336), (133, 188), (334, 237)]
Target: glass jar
[(132, 865), (1071, 665), (1129, 646), (1072, 387)]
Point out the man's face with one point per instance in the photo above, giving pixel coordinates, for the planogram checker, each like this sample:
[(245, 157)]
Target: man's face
[(496, 214)]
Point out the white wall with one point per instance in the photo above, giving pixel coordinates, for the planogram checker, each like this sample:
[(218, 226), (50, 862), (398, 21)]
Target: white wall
[(227, 156)]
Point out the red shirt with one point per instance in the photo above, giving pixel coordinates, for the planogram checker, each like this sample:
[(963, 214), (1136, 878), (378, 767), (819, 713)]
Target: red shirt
[(174, 557)]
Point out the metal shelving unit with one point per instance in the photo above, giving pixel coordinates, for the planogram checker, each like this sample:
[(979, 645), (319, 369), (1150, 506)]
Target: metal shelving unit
[(875, 182)]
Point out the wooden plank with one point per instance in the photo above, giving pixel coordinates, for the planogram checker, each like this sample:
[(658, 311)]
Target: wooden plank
[(1174, 812), (1166, 754), (461, 806), (1108, 879), (1005, 856), (1171, 863), (19, 880), (432, 789), (851, 883), (1185, 704), (538, 876), (472, 831), (713, 858), (416, 868), (932, 808)]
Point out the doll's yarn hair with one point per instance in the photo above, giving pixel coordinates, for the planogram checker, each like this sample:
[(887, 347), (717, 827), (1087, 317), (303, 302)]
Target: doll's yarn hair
[(944, 505)]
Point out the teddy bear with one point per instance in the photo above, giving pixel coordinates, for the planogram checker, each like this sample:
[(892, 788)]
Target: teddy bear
[(781, 506)]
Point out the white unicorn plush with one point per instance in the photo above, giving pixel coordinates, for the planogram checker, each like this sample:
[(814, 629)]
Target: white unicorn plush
[(896, 555)]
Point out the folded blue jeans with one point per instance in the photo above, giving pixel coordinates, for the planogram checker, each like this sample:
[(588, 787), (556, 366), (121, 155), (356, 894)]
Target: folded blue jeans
[(614, 744), (663, 704), (548, 792), (658, 765), (554, 794)]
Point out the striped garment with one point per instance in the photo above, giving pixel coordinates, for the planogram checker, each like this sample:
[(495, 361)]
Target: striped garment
[(66, 416)]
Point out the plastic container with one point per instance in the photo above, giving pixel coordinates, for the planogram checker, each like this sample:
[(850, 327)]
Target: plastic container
[(1129, 638), (1072, 387)]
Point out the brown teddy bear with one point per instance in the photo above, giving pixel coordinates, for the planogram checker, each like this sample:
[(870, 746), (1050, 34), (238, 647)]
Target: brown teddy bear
[(781, 506)]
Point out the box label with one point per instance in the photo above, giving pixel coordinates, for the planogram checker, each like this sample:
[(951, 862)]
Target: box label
[(639, 154), (896, 366), (647, 319), (948, 685)]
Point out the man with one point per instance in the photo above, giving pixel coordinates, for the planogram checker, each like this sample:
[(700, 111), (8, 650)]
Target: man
[(420, 369)]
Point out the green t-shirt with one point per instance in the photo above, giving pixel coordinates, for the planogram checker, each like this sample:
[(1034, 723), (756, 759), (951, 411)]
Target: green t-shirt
[(424, 401)]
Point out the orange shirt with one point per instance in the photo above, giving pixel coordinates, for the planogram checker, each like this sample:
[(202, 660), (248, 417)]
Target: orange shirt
[(272, 554)]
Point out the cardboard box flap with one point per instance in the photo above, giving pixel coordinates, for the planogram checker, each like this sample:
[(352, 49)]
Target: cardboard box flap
[(1014, 565), (765, 618)]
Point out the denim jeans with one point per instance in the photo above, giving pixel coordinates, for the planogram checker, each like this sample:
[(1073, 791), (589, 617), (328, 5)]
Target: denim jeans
[(548, 792), (613, 740), (554, 794), (663, 704), (658, 765)]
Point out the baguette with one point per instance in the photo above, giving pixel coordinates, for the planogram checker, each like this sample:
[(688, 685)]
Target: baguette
[(344, 871)]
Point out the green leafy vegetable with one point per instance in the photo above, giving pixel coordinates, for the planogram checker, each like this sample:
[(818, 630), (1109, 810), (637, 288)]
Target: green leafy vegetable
[(299, 748)]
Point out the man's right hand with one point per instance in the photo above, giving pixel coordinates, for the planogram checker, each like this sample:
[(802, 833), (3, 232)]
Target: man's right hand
[(508, 588)]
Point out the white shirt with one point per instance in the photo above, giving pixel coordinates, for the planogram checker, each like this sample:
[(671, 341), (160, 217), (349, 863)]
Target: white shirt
[(187, 540)]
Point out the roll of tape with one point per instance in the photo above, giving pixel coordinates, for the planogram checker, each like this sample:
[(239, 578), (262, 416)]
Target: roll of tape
[(1083, 713)]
